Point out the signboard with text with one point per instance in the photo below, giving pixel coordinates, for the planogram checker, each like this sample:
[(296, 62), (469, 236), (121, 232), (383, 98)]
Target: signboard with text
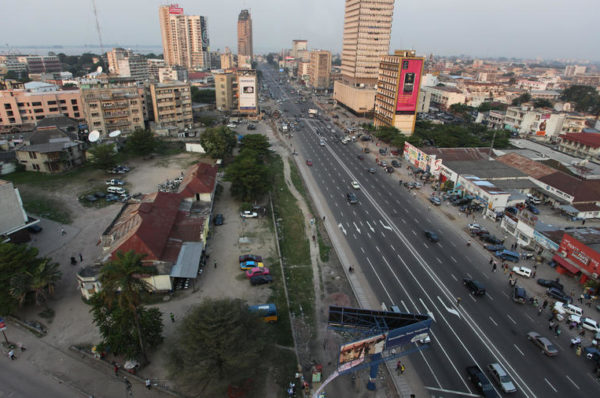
[(247, 96), (174, 9), (409, 82)]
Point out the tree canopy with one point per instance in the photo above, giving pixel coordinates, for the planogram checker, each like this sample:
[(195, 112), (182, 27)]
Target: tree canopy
[(218, 342), (141, 142), (249, 176), (257, 143), (218, 142), (521, 99), (104, 156), (585, 98), (203, 96), (542, 103)]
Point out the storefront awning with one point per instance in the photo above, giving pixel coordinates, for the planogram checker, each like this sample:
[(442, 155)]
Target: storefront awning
[(566, 264)]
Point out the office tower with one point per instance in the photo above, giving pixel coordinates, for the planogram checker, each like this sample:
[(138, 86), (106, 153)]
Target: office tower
[(245, 35), (184, 38), (398, 90), (319, 69), (299, 48), (367, 31)]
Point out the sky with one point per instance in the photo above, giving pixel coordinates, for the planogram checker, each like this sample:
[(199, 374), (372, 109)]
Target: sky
[(549, 29)]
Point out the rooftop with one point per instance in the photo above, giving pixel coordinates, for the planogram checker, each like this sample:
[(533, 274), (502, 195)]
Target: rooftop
[(589, 139), (484, 169), (527, 166), (457, 154)]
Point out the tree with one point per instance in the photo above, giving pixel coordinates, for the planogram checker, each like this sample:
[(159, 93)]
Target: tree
[(218, 341), (42, 279), (521, 99), (203, 96), (257, 143), (103, 156), (249, 177), (585, 98), (218, 141), (542, 103), (122, 286), (141, 142)]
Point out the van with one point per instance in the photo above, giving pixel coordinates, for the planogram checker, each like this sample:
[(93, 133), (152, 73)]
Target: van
[(508, 255), (117, 190), (562, 308)]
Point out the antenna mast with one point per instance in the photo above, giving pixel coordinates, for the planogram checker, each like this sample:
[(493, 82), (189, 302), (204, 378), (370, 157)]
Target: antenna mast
[(98, 27)]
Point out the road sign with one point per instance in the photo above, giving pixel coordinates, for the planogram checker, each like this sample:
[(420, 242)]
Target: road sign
[(2, 325)]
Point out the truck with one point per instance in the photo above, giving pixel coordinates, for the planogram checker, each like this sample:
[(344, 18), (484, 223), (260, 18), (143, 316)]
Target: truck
[(313, 112)]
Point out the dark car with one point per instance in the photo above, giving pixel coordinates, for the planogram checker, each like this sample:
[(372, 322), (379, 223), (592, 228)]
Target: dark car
[(389, 169), (432, 236), (250, 257), (494, 248), (533, 209), (476, 288), (512, 210), (479, 232), (351, 198), (489, 238), (365, 138), (519, 295), (550, 283), (260, 279), (34, 229), (99, 195), (361, 157), (559, 295), (218, 219), (91, 198), (371, 170), (481, 382), (395, 163)]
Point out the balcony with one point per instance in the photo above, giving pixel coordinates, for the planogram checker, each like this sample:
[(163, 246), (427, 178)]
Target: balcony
[(115, 105)]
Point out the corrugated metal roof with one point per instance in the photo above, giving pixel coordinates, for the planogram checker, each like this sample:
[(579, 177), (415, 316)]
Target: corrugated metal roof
[(188, 260)]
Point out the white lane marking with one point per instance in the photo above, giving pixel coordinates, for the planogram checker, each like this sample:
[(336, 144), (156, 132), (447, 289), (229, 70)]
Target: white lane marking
[(494, 322), (439, 261), (413, 231), (355, 226), (453, 259), (551, 386), (403, 220), (362, 250), (393, 248), (449, 309), (385, 226), (505, 294), (342, 228), (425, 244), (427, 309), (488, 296), (452, 243), (417, 221), (512, 320), (405, 306), (572, 382), (370, 227), (454, 277), (369, 235), (377, 248), (517, 348), (530, 318)]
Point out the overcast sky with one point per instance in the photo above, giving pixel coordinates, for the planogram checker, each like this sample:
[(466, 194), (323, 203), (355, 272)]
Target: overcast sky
[(564, 29)]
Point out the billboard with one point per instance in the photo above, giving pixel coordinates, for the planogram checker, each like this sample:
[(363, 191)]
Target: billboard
[(174, 9), (204, 31), (408, 84), (353, 354), (247, 96)]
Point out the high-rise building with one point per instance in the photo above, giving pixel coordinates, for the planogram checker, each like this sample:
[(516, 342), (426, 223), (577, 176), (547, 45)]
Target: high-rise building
[(320, 69), (367, 31), (299, 48), (245, 34), (398, 90), (227, 61), (111, 108), (184, 38), (225, 90), (172, 104), (154, 65)]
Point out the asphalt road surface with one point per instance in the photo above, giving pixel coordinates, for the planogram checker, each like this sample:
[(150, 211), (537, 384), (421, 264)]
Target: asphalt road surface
[(386, 233)]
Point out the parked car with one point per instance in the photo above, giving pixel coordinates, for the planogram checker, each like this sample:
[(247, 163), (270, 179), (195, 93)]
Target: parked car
[(115, 181), (432, 236), (435, 200), (111, 197), (533, 209), (395, 163), (542, 342), (100, 195), (523, 271), (519, 295), (590, 324), (257, 271), (550, 283), (389, 169), (361, 157), (248, 214), (481, 382), (494, 248), (250, 257), (371, 170), (559, 295), (246, 265), (501, 378), (476, 288), (34, 229), (260, 280), (474, 227), (91, 198), (218, 219), (490, 239)]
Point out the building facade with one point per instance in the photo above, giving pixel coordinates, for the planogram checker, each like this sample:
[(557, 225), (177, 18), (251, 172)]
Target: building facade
[(299, 48), (398, 90), (585, 145), (227, 61), (225, 90), (107, 109), (172, 73), (367, 32), (184, 38), (244, 28), (43, 64), (247, 92), (172, 104), (125, 63), (319, 69)]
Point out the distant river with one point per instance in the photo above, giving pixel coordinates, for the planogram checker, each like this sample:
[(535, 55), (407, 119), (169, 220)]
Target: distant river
[(78, 50)]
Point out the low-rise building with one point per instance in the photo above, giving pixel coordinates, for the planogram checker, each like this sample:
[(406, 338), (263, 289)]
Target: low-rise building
[(13, 218), (445, 96), (586, 145), (578, 254), (225, 90), (172, 105), (172, 73)]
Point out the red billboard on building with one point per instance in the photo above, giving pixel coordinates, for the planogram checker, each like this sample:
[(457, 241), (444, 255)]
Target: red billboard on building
[(409, 82), (174, 9), (576, 258)]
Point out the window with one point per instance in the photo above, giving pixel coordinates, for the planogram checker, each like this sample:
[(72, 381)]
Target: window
[(63, 108), (74, 102), (9, 113), (38, 110), (20, 104), (51, 102), (75, 108), (53, 109), (39, 117), (76, 114), (7, 106), (36, 167), (62, 101), (11, 119), (32, 155), (36, 104)]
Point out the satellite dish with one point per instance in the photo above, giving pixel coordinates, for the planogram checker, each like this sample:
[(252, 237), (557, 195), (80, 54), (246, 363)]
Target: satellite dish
[(99, 70), (94, 136), (114, 134)]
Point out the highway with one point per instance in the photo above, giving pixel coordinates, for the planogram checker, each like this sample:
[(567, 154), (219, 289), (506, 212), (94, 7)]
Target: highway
[(386, 233)]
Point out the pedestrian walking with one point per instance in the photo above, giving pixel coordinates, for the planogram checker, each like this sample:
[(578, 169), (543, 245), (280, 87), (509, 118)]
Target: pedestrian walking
[(63, 232), (148, 384), (116, 368), (540, 309), (494, 267), (172, 317), (11, 355), (215, 265), (545, 303), (398, 366), (557, 331), (402, 369), (533, 274), (491, 260), (80, 257), (581, 299)]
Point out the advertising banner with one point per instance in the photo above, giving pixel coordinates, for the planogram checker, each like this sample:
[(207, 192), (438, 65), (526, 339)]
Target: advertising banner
[(408, 86), (247, 87), (174, 9), (353, 354), (204, 29)]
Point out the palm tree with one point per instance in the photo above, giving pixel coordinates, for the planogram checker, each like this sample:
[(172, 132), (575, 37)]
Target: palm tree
[(122, 283), (43, 278)]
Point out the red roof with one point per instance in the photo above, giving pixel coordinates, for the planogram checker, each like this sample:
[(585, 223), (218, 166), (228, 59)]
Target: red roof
[(588, 139), (581, 190), (199, 179)]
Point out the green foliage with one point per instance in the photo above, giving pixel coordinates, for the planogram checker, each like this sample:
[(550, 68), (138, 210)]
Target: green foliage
[(257, 143), (220, 342), (585, 98), (271, 60), (521, 99), (80, 64), (488, 106), (462, 110), (103, 156), (218, 141), (542, 103), (206, 120), (249, 176), (141, 142), (451, 136), (23, 275), (203, 96)]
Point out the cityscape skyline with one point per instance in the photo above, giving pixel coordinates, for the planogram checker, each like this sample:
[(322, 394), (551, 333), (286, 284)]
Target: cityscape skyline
[(427, 28)]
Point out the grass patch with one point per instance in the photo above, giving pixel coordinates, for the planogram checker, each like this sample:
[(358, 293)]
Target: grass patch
[(53, 181), (324, 249), (46, 207), (283, 366)]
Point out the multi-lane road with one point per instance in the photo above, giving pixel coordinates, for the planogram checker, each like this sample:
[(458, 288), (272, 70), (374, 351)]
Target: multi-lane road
[(385, 231)]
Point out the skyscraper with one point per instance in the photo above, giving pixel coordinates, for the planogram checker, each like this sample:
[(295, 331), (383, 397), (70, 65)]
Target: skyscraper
[(320, 69), (367, 32), (184, 38), (244, 38)]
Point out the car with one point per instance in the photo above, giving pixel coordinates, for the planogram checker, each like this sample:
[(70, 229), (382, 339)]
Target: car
[(248, 214), (91, 198), (432, 236), (559, 295), (519, 295), (34, 229), (355, 185), (383, 164), (417, 185), (257, 271), (480, 381), (474, 227), (501, 378), (251, 127), (115, 181), (494, 248), (111, 197), (435, 200), (218, 219), (99, 195), (361, 157), (523, 271), (250, 257), (479, 232), (590, 324), (366, 150), (246, 265), (260, 280), (533, 209), (382, 151), (309, 162), (550, 283), (476, 288), (395, 163), (533, 199), (511, 210), (322, 142), (352, 199), (542, 342), (489, 238), (371, 170)]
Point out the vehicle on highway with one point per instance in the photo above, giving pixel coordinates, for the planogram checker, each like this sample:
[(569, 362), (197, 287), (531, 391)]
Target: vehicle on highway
[(480, 381), (246, 265), (383, 164), (476, 287), (550, 283), (474, 227), (501, 378), (352, 199), (432, 236), (260, 280), (309, 162), (322, 142), (435, 200), (559, 295), (250, 257), (523, 271), (248, 214), (218, 219), (371, 170), (355, 185), (542, 342), (257, 271), (519, 295), (508, 255)]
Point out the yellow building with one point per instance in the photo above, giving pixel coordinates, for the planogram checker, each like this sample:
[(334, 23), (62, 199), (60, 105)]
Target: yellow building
[(172, 104), (319, 69), (108, 109)]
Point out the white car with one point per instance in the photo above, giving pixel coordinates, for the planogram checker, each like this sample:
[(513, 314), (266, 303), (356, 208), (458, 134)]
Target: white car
[(249, 214), (474, 227), (523, 271), (355, 185), (590, 324)]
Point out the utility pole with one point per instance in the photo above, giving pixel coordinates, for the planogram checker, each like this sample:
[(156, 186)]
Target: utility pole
[(492, 145)]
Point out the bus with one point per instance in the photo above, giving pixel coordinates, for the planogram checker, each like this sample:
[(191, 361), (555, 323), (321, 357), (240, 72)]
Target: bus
[(268, 312)]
